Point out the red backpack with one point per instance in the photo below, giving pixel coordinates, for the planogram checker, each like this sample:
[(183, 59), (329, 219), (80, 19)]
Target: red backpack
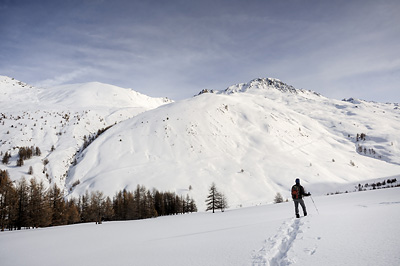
[(295, 192)]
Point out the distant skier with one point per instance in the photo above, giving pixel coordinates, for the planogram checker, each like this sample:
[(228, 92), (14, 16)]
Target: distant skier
[(297, 195)]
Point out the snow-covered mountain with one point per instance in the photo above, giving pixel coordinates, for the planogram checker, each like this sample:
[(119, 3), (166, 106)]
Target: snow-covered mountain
[(57, 120), (251, 139)]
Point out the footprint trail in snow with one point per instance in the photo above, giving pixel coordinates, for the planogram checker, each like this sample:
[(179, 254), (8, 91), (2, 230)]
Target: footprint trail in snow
[(276, 248)]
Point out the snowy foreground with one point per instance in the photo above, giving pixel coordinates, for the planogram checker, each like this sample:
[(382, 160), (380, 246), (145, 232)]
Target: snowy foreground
[(350, 229)]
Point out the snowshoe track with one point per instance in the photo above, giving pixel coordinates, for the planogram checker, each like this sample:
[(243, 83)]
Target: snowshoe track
[(274, 252)]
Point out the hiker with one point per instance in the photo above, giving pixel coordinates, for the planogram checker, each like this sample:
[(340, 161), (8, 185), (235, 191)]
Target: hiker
[(297, 195)]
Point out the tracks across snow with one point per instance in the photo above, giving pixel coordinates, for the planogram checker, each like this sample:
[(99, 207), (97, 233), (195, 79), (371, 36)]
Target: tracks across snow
[(276, 248)]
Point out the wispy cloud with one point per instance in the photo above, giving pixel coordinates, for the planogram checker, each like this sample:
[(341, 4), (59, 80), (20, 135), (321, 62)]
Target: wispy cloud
[(64, 78), (176, 48)]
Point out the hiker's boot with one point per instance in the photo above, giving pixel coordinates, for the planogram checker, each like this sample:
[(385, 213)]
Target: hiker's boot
[(305, 214), (297, 215)]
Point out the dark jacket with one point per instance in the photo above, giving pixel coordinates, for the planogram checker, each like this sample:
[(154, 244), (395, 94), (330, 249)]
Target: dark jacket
[(301, 191)]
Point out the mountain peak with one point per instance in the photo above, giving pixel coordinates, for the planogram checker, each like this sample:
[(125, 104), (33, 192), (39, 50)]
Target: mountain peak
[(266, 84), (262, 84)]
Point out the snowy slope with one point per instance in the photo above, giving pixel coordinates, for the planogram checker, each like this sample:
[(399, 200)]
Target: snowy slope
[(354, 229), (60, 117), (252, 140)]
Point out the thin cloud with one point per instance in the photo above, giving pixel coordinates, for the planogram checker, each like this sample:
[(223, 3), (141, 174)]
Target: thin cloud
[(64, 78)]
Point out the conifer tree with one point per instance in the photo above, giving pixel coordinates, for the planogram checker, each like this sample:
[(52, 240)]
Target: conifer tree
[(57, 204), (20, 162), (212, 198), (185, 203), (216, 200), (37, 151), (6, 158), (108, 210), (38, 211), (150, 210), (178, 204), (130, 212), (158, 203), (192, 206), (223, 202), (84, 207), (138, 202), (8, 199), (22, 217), (97, 206), (118, 207), (72, 212)]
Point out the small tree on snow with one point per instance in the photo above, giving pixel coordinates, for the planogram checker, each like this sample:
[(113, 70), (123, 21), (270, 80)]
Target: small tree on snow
[(278, 198), (216, 200), (223, 203), (20, 162), (6, 158)]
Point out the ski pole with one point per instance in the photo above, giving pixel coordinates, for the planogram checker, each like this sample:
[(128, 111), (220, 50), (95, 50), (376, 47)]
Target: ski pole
[(314, 204)]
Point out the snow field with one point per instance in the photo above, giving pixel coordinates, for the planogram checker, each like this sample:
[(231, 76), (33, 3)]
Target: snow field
[(351, 229)]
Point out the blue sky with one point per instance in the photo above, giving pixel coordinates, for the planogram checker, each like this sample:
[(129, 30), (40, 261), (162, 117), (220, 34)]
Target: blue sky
[(340, 49)]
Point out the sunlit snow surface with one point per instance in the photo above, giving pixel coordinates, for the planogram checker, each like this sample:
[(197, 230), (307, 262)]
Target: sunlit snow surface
[(355, 229)]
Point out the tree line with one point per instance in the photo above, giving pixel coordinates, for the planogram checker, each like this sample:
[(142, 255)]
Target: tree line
[(32, 205)]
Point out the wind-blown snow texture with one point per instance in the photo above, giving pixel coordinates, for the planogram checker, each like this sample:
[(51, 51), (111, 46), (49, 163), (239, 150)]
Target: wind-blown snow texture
[(251, 139), (351, 229)]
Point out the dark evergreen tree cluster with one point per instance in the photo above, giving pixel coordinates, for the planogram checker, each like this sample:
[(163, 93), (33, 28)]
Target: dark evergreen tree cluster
[(30, 205), (143, 203), (87, 140), (384, 184), (26, 153), (389, 183), (216, 200)]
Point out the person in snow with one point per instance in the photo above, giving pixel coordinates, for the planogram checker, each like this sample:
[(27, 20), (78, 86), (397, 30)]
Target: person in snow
[(297, 195)]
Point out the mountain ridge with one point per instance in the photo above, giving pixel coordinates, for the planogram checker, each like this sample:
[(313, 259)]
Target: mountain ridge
[(251, 139), (253, 143)]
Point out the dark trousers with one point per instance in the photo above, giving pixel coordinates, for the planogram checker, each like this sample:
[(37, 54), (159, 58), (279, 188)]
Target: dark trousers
[(296, 206)]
